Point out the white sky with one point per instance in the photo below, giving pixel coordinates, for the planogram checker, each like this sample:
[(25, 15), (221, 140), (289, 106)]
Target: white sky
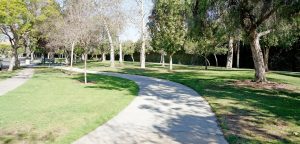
[(131, 31)]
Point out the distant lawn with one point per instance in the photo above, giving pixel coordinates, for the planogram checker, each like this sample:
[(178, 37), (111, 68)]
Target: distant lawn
[(6, 74), (55, 107), (245, 114)]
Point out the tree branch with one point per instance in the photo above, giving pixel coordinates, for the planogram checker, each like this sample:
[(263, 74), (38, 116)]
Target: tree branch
[(264, 33), (266, 16)]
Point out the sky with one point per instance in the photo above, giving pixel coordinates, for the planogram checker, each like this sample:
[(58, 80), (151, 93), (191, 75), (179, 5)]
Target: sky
[(131, 31)]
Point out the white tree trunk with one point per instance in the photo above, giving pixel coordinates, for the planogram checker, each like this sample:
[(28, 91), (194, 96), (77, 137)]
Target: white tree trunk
[(230, 53), (120, 53), (32, 56), (216, 59), (238, 55), (11, 64), (103, 57), (72, 53), (112, 50), (85, 73), (132, 58), (171, 62), (67, 62), (163, 59), (143, 49)]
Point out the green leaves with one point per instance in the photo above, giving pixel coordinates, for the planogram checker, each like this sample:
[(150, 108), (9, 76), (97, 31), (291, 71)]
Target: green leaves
[(167, 28)]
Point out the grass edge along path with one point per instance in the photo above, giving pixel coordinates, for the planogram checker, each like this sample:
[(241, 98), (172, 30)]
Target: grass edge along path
[(7, 74)]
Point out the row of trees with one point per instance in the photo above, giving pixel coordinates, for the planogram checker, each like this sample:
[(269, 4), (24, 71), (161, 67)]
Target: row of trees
[(199, 27), (21, 22), (206, 27), (71, 28)]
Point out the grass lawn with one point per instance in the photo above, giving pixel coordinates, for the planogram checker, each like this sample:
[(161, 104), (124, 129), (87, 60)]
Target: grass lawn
[(245, 114), (6, 74), (56, 107)]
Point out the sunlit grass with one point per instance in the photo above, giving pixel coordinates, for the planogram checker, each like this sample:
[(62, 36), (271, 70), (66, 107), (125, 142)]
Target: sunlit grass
[(55, 107)]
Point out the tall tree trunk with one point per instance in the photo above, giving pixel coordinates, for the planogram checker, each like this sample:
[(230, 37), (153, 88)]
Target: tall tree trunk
[(238, 55), (257, 55), (11, 64), (67, 59), (72, 53), (48, 55), (163, 59), (112, 50), (216, 59), (17, 61), (85, 73), (75, 58), (82, 57), (32, 56), (103, 57), (230, 53), (132, 57), (266, 58), (143, 49), (206, 62), (171, 62), (120, 53)]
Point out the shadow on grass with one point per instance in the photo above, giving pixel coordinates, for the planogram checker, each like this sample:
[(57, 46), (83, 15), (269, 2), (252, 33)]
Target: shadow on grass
[(108, 82), (293, 74)]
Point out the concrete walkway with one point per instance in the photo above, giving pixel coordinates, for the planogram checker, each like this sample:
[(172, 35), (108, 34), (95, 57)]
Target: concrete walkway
[(16, 81), (163, 113)]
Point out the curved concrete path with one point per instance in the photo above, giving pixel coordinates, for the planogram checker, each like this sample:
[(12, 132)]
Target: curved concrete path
[(16, 81), (163, 113)]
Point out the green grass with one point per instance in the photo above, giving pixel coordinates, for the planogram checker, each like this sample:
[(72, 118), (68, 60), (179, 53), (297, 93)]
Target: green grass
[(6, 74), (245, 114), (56, 107)]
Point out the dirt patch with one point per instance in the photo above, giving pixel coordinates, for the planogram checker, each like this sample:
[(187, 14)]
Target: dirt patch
[(266, 85), (24, 135), (250, 129)]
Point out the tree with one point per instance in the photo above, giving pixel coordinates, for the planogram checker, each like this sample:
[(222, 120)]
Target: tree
[(15, 21), (286, 34), (206, 32), (129, 48), (253, 15), (208, 44), (104, 49), (142, 23), (168, 28), (44, 12), (5, 50), (110, 14)]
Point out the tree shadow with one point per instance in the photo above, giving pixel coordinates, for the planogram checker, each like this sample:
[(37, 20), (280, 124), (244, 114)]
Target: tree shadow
[(108, 82), (285, 73)]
